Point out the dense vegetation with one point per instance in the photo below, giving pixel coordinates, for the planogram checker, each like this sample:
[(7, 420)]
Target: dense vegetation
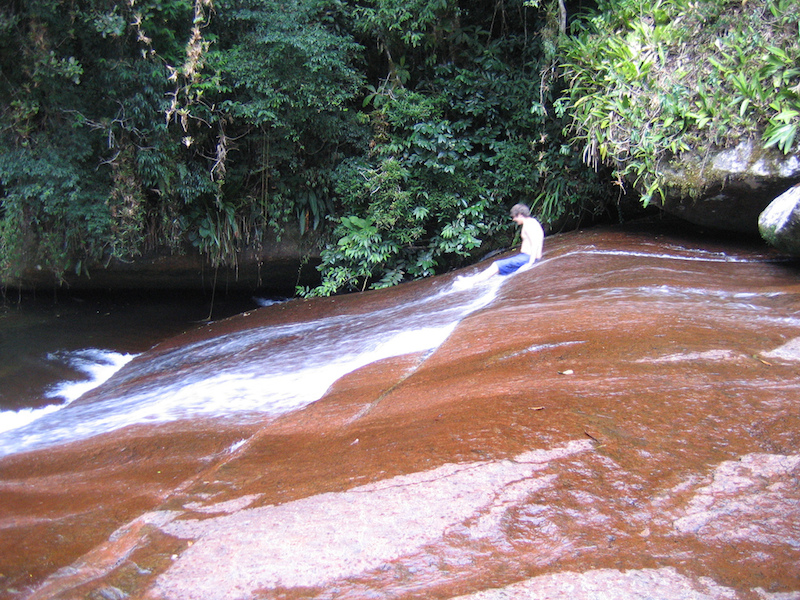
[(650, 80), (397, 132)]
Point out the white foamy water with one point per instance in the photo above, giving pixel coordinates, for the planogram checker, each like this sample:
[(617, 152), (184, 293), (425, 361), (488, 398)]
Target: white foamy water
[(97, 366), (14, 419), (695, 255), (264, 370)]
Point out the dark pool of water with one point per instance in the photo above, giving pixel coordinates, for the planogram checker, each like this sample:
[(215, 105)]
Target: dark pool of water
[(43, 337)]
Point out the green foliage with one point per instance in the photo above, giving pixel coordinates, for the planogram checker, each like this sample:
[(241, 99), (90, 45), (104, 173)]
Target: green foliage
[(400, 25), (84, 116), (399, 131), (279, 80), (48, 211), (455, 144), (191, 129), (283, 65), (652, 79)]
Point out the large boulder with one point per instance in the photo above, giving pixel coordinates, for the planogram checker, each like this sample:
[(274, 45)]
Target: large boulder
[(730, 189), (779, 224)]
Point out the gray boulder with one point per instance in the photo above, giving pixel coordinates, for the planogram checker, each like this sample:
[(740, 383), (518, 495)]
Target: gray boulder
[(730, 189), (779, 224)]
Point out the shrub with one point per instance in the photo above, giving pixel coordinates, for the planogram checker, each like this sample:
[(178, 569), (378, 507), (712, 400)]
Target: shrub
[(649, 80)]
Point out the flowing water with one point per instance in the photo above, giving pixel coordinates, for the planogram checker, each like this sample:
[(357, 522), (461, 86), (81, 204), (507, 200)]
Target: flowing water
[(236, 373), (619, 421), (55, 349)]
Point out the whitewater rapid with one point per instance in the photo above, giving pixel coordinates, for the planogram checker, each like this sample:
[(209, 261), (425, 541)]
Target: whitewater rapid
[(267, 370)]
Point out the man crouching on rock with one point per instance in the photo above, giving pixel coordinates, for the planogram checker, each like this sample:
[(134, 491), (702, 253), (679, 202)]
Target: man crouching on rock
[(530, 252)]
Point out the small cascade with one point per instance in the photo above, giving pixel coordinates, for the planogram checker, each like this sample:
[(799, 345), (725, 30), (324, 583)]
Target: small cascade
[(96, 366), (266, 370)]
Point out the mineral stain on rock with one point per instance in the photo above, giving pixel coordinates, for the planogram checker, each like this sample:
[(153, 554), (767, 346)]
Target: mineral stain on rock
[(329, 537), (665, 465)]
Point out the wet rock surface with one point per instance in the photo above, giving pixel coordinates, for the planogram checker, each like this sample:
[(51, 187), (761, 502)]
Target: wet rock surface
[(779, 224), (620, 421), (273, 266), (729, 189)]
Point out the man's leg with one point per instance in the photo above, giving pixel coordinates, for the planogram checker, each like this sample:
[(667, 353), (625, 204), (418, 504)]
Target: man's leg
[(462, 282), (493, 270), (507, 266)]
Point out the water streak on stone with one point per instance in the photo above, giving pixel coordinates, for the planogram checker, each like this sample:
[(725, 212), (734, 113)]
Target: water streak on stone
[(246, 371)]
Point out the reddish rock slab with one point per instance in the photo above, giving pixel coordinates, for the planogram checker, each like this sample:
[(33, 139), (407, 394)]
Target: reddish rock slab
[(618, 419)]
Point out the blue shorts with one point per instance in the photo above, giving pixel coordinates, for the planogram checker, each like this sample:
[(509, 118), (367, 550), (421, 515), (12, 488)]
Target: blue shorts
[(507, 266)]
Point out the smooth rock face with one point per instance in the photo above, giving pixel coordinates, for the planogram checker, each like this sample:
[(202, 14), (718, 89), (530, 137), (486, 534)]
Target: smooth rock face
[(620, 421), (276, 266), (729, 190), (664, 584), (779, 224)]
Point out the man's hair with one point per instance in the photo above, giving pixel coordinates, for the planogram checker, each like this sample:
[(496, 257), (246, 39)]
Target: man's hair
[(520, 209)]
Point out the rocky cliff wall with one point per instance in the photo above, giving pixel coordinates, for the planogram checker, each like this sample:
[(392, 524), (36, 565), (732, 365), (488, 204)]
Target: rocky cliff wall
[(728, 190)]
